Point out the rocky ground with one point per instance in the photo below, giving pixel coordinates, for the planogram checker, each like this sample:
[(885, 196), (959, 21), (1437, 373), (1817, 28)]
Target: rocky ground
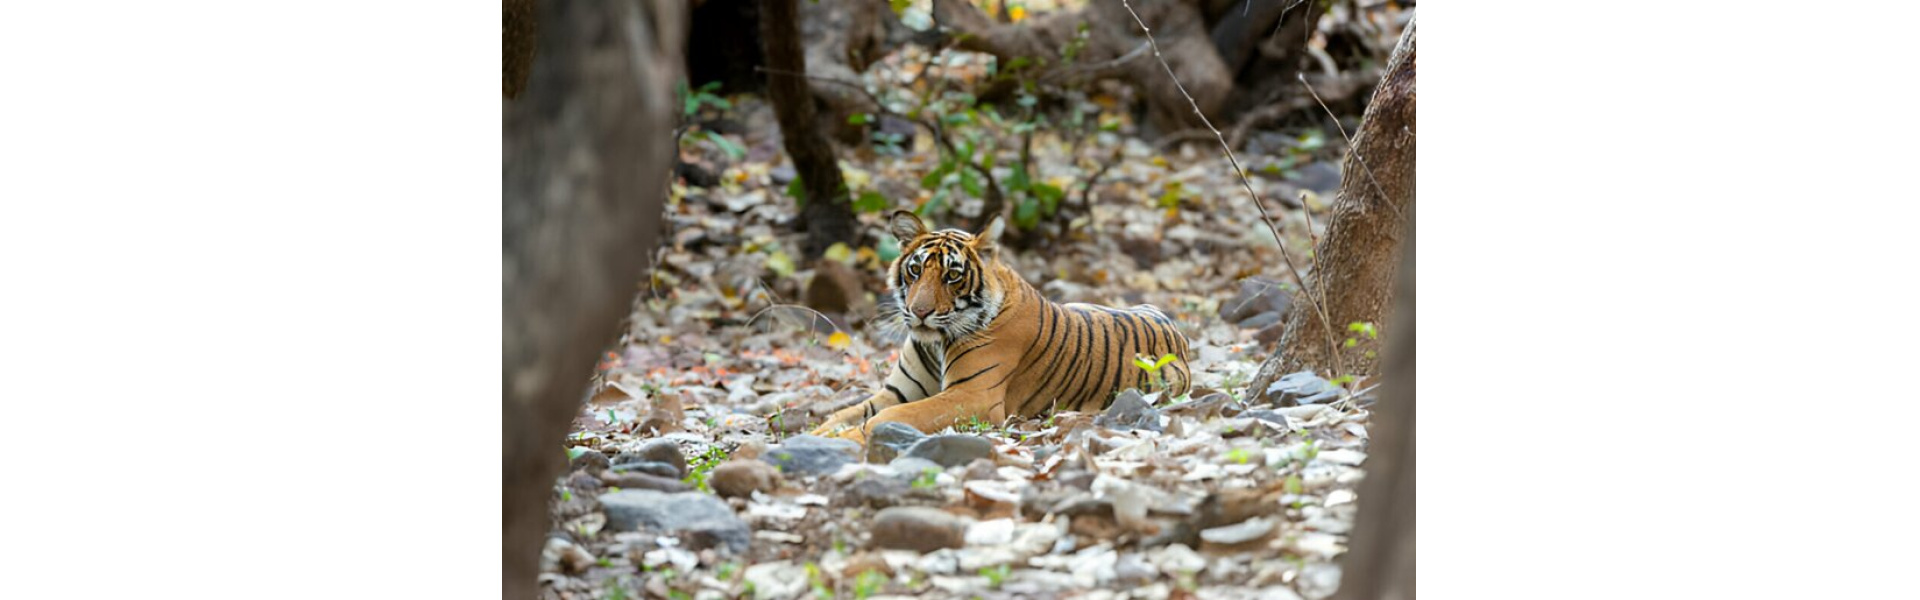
[(691, 477)]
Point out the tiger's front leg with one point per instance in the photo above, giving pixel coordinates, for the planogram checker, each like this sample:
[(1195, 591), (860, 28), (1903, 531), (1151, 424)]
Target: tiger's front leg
[(851, 417), (945, 409)]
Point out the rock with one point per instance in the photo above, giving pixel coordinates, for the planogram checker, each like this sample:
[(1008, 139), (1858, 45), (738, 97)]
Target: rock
[(990, 533), (889, 439), (980, 469), (1262, 320), (583, 483), (741, 478), (588, 459), (664, 452), (781, 579), (701, 520), (811, 455), (1270, 335), (911, 467), (1257, 296), (1128, 412), (918, 528), (1302, 388), (1319, 176), (662, 470), (1129, 569), (564, 556), (952, 450), (1319, 580), (874, 492), (1239, 533), (834, 289), (636, 480)]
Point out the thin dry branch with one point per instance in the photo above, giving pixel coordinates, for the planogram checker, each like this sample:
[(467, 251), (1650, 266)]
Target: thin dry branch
[(1355, 150), (1333, 347)]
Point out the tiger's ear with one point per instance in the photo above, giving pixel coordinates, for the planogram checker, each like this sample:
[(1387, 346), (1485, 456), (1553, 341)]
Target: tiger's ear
[(987, 241), (905, 226)]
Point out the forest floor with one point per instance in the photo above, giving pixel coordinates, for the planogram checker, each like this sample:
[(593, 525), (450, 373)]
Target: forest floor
[(690, 476)]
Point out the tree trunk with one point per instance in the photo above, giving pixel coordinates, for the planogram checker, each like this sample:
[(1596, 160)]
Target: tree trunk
[(1355, 261), (586, 150), (828, 212), (1379, 564)]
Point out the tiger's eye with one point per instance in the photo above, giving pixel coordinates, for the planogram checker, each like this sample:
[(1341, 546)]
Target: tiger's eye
[(953, 276)]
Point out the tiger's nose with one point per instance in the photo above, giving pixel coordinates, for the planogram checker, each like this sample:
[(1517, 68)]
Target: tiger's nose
[(922, 312)]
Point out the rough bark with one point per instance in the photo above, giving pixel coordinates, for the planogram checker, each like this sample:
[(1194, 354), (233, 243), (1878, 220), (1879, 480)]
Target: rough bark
[(586, 150), (1356, 259), (1379, 564), (828, 213)]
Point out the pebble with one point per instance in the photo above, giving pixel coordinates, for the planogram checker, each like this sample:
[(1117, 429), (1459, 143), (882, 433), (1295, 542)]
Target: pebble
[(811, 455), (741, 478), (1302, 388), (664, 452), (701, 520), (952, 450), (918, 528), (1130, 411), (656, 469), (643, 481), (889, 439), (590, 460)]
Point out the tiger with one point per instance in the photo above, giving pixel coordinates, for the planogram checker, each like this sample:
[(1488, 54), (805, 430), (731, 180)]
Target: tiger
[(984, 344)]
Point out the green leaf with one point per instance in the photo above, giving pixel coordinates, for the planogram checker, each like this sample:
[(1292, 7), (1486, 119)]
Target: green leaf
[(970, 181), (1018, 62), (1049, 195), (1026, 214), (1164, 360), (870, 202), (734, 151), (888, 249), (859, 119), (1293, 485), (797, 191), (1143, 364), (934, 178), (900, 6)]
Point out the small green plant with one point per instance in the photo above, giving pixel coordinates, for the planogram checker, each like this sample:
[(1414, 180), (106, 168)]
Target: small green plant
[(726, 570), (927, 479), (604, 562), (702, 466), (1238, 456), (975, 424), (867, 583), (692, 99), (995, 575), (616, 589), (1293, 485), (1152, 367), (818, 580)]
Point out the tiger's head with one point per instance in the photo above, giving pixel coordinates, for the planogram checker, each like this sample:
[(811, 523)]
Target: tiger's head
[(943, 280)]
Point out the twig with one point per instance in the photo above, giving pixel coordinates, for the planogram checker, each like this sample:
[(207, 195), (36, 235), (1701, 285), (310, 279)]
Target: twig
[(1095, 69), (1351, 147), (1332, 347)]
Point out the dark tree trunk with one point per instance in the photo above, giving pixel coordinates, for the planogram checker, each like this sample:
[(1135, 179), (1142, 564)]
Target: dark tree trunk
[(1356, 260), (828, 213), (1379, 564), (586, 150)]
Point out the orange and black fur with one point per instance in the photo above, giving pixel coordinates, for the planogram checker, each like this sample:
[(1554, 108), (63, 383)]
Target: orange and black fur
[(985, 345)]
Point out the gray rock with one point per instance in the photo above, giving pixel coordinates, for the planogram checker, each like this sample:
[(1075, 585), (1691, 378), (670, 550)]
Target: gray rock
[(591, 460), (875, 492), (889, 439), (952, 450), (1262, 320), (643, 481), (918, 528), (664, 452), (701, 520), (655, 469), (1320, 176), (811, 455), (1128, 412), (1257, 296), (1302, 388)]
